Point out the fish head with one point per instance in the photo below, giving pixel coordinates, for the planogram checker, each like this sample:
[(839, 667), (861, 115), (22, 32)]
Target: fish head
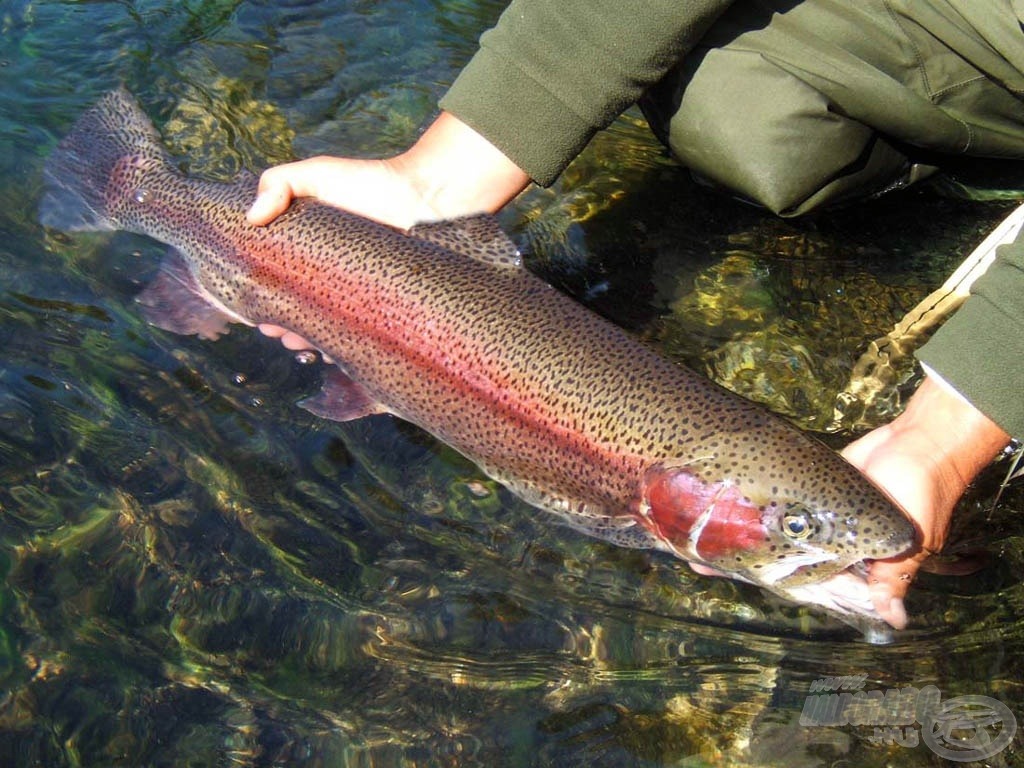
[(780, 541)]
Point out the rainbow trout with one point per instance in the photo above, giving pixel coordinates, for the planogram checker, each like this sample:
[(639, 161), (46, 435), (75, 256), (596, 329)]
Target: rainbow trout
[(442, 326)]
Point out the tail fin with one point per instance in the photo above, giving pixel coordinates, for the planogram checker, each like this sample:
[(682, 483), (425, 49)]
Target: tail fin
[(77, 172)]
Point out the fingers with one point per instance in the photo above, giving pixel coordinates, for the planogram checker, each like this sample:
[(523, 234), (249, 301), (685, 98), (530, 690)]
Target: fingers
[(888, 583), (267, 206), (289, 339), (280, 185), (273, 196), (888, 606)]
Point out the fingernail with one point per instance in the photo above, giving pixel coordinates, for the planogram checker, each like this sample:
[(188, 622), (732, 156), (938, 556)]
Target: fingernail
[(253, 214)]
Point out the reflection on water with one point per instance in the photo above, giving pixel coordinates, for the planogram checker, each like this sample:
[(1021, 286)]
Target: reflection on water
[(196, 572)]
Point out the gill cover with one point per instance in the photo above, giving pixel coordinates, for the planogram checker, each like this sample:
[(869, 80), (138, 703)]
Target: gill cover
[(699, 521)]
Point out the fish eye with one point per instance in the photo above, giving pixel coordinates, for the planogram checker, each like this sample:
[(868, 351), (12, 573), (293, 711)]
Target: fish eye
[(796, 523)]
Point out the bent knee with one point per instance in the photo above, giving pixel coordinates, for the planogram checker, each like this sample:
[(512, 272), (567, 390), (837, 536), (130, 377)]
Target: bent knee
[(747, 125)]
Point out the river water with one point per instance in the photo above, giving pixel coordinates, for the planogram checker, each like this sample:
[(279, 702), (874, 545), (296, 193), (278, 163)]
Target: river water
[(197, 572)]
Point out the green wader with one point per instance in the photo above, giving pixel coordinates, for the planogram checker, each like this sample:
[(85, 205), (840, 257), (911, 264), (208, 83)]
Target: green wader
[(794, 105)]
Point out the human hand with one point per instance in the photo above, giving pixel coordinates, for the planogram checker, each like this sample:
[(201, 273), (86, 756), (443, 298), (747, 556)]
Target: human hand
[(450, 171), (924, 459), (377, 189), (902, 464)]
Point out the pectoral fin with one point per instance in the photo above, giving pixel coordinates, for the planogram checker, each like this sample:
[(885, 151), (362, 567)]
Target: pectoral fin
[(176, 302), (341, 399)]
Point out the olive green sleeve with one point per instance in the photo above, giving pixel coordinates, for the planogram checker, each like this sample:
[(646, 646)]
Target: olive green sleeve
[(553, 72), (980, 350)]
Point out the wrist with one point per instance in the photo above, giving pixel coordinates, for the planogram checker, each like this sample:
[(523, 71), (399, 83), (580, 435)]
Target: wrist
[(926, 457), (963, 439), (455, 171)]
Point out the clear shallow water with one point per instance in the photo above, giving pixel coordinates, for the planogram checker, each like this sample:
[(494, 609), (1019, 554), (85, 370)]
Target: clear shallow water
[(196, 572)]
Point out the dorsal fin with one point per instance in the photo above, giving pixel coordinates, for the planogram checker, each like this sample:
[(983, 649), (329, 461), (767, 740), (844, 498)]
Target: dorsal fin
[(479, 237)]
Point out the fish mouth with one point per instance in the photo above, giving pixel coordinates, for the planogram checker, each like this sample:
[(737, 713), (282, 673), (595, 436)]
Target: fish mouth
[(846, 596), (817, 566), (843, 595), (779, 571), (845, 592)]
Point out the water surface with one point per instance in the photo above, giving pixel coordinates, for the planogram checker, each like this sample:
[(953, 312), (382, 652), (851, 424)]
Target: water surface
[(197, 572)]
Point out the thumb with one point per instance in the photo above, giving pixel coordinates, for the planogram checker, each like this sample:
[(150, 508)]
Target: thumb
[(888, 583), (268, 205), (279, 186)]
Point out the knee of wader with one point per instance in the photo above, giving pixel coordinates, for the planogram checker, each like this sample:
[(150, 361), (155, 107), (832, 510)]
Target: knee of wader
[(747, 125)]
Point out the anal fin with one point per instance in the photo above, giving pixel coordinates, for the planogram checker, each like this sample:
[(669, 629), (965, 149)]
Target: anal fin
[(176, 302)]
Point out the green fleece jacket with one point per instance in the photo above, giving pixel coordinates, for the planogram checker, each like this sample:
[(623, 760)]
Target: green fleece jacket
[(552, 73), (980, 350)]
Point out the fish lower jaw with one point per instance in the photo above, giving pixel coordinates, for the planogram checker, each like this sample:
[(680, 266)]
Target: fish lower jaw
[(795, 571), (845, 596)]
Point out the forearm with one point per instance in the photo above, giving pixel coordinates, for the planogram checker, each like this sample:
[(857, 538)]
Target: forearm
[(966, 439), (949, 440), (550, 74), (546, 78), (980, 350)]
